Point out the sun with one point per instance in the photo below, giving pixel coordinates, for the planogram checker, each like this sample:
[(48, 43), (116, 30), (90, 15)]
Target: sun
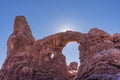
[(66, 28)]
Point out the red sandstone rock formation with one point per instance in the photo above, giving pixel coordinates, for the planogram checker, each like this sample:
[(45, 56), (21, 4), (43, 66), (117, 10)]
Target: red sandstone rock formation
[(73, 66), (30, 59), (73, 70)]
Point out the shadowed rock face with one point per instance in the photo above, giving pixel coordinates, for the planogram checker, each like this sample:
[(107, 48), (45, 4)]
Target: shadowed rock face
[(30, 59)]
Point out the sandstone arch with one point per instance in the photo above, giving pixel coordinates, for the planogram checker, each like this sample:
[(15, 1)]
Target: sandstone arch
[(30, 59)]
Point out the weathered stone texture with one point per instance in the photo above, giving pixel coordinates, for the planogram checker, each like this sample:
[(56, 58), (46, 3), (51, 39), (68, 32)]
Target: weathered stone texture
[(30, 59), (73, 66)]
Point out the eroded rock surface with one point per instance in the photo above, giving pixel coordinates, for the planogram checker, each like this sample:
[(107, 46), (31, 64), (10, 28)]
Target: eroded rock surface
[(73, 66), (73, 70), (30, 59)]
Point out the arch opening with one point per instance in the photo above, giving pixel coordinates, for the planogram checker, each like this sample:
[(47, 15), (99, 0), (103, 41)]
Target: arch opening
[(49, 56), (52, 56), (71, 53)]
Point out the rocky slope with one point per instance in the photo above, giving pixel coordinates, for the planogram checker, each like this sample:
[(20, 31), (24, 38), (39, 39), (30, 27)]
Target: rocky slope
[(30, 59)]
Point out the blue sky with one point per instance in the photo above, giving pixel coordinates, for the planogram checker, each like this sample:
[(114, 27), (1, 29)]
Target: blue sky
[(48, 17)]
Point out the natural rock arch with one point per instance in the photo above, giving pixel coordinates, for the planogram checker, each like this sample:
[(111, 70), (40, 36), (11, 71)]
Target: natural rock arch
[(71, 52), (30, 59), (56, 44)]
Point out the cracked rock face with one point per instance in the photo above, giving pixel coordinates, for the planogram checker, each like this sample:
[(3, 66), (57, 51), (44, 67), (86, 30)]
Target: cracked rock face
[(30, 59)]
